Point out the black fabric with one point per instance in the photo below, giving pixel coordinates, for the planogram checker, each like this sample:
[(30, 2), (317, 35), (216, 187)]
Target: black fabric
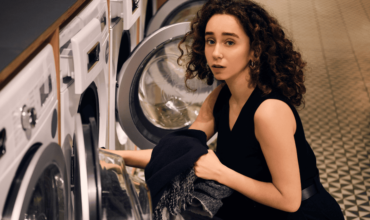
[(239, 150), (115, 200), (188, 194), (168, 161)]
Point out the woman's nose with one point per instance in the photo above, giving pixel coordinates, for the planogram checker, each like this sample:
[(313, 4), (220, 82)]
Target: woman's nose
[(217, 53)]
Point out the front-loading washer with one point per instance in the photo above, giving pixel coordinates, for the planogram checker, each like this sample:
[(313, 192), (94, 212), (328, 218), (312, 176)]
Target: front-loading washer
[(124, 36), (151, 98), (33, 176), (84, 68), (102, 187), (84, 56)]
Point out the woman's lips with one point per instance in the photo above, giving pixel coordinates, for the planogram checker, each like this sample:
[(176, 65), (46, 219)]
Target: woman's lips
[(217, 66)]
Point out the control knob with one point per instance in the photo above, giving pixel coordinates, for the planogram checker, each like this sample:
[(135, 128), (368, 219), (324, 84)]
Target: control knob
[(28, 117)]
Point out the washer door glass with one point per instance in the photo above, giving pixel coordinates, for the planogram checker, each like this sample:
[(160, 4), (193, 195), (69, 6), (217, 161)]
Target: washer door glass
[(166, 101), (152, 98), (103, 189), (47, 200), (122, 195)]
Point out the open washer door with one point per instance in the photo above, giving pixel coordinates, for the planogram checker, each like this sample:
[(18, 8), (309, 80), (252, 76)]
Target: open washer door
[(152, 99), (102, 187), (174, 11), (40, 188)]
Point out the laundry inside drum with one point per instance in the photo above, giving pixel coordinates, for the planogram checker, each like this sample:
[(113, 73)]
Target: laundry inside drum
[(164, 98), (117, 194)]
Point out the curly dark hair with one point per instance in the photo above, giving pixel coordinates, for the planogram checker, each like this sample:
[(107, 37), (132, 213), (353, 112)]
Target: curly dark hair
[(277, 65)]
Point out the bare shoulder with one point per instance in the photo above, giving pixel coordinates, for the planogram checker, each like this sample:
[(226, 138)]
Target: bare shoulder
[(212, 97), (205, 119), (274, 113)]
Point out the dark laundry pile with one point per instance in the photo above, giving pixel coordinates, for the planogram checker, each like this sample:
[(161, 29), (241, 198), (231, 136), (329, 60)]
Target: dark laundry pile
[(170, 176)]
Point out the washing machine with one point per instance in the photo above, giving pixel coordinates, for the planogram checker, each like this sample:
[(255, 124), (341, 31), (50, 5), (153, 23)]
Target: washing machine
[(125, 34), (151, 97), (102, 188), (33, 177), (84, 55), (84, 58), (171, 12)]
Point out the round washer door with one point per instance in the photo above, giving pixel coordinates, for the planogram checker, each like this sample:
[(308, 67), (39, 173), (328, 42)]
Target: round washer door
[(174, 11), (39, 190), (152, 99), (87, 188), (102, 187)]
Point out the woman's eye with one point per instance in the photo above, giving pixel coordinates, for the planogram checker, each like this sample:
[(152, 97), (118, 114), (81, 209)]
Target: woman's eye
[(210, 42), (229, 43)]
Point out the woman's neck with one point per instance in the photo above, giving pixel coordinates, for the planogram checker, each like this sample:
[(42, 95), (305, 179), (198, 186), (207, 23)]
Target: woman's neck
[(240, 88)]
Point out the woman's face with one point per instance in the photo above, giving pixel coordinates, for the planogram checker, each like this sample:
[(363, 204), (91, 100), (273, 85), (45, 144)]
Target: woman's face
[(227, 47)]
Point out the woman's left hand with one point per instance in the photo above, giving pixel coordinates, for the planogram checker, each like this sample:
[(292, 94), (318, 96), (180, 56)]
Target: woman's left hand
[(208, 166)]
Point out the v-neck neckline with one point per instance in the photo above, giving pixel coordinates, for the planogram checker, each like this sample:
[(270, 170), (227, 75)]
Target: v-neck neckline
[(228, 109)]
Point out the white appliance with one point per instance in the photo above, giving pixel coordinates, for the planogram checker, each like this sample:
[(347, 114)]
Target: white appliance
[(84, 70), (84, 56), (124, 15), (137, 124), (84, 53), (102, 187), (33, 177)]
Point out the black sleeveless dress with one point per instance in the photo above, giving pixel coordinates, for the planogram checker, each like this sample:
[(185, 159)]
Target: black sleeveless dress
[(239, 150)]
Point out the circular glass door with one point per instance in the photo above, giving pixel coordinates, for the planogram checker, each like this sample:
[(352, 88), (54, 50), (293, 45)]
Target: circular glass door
[(165, 100), (39, 190), (152, 98)]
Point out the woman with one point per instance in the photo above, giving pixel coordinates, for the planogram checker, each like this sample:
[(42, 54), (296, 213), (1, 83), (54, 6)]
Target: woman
[(263, 153)]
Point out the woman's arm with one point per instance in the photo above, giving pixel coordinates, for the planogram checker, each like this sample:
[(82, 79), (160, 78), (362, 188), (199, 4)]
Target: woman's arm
[(134, 158), (204, 122), (274, 128)]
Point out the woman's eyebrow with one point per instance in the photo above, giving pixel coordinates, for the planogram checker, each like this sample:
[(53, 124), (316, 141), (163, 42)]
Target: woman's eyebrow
[(230, 34), (223, 33)]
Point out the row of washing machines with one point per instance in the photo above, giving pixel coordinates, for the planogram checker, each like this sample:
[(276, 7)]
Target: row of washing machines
[(118, 78)]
